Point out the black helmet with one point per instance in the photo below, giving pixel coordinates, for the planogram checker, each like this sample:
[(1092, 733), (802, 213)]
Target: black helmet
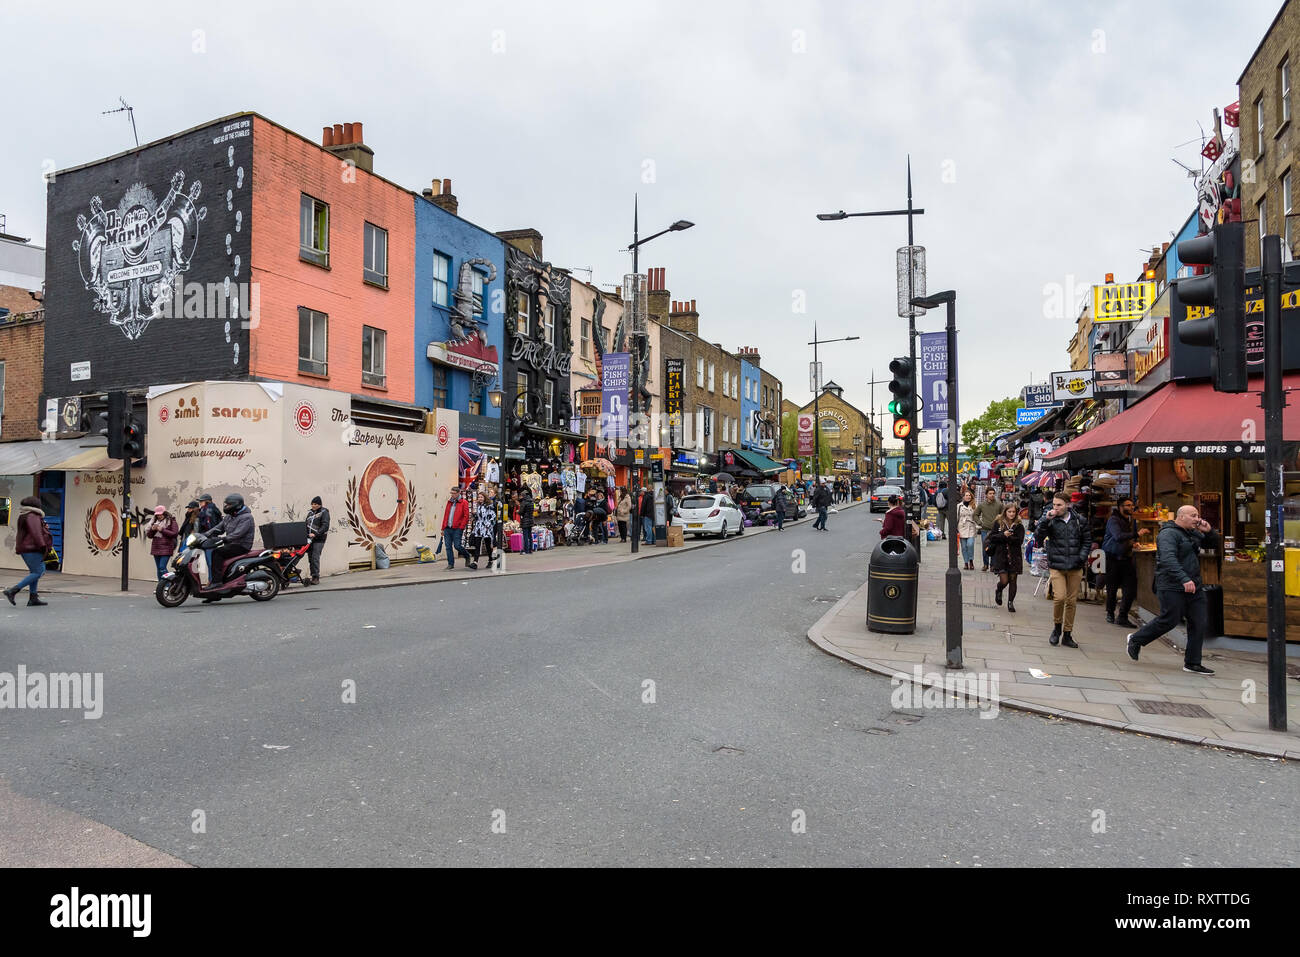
[(234, 502)]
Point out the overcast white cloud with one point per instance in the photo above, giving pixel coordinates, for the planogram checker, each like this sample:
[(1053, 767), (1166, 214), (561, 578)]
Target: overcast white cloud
[(1058, 121)]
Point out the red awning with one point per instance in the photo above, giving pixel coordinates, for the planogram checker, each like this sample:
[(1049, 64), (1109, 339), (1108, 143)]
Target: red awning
[(1179, 421)]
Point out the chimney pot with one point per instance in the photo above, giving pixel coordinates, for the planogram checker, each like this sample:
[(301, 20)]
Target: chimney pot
[(437, 187), (446, 184), (692, 305), (327, 136), (338, 134), (356, 132), (347, 133)]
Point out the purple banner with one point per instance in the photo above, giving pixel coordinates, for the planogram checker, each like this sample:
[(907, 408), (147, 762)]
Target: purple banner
[(934, 380), (616, 383)]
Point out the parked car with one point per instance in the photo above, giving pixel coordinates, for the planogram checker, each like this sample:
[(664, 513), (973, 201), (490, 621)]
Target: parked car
[(757, 502), (880, 497), (709, 514)]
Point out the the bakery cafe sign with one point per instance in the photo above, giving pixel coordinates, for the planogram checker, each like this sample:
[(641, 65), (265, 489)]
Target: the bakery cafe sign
[(540, 355)]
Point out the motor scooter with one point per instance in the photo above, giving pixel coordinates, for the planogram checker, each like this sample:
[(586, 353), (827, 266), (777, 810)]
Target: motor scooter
[(255, 574)]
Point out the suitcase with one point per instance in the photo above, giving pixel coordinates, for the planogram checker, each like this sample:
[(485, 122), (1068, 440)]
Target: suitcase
[(517, 542)]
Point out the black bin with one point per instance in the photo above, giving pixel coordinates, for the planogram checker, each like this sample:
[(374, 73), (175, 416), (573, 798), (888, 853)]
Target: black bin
[(892, 587), (1214, 611)]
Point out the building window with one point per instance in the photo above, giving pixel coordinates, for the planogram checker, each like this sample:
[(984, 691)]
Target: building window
[(523, 311), (374, 350), (548, 398), (586, 338), (2, 390), (1259, 126), (699, 372), (726, 383), (1286, 214), (521, 384), (314, 231), (711, 377), (440, 387), (1284, 87), (476, 289), (375, 267), (441, 272), (313, 329), (1262, 210), (475, 407), (549, 330)]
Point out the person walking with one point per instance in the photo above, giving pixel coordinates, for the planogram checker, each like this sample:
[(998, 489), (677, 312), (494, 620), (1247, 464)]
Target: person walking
[(1007, 545), (967, 530), (941, 503), (778, 506), (821, 501), (895, 521), (622, 512), (986, 517), (163, 532), (1121, 570), (1178, 586), (33, 542), (647, 513), (526, 515), (318, 529), (1068, 544), (482, 529), (455, 519)]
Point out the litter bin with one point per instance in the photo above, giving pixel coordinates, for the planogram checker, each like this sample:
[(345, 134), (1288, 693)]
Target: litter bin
[(892, 587)]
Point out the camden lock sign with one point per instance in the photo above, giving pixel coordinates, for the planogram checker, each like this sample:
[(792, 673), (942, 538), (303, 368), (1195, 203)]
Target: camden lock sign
[(540, 355)]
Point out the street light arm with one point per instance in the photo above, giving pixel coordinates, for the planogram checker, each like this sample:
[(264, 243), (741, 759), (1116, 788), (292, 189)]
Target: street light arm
[(674, 228)]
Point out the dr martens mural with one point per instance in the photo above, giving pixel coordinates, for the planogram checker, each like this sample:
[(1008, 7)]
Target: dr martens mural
[(147, 264)]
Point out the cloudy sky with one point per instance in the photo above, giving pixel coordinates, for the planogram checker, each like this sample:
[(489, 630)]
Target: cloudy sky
[(1040, 135)]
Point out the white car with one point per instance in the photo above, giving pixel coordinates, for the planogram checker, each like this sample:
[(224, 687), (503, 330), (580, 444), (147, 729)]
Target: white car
[(709, 514)]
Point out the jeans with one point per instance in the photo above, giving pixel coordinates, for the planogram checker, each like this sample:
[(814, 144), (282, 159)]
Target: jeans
[(622, 530), (161, 561), (527, 532), (1121, 574), (1175, 604), (648, 529), (968, 550), (780, 521), (451, 540), (35, 562), (821, 518)]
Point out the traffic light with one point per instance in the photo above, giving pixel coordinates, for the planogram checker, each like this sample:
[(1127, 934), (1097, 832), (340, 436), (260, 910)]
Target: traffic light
[(903, 386), (112, 424), (1220, 291), (132, 437), (518, 434)]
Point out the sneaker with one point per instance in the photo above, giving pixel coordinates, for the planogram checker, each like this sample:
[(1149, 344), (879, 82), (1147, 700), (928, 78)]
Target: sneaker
[(1068, 641), (1110, 619), (1134, 649), (10, 595), (1126, 622), (1194, 669), (1055, 636)]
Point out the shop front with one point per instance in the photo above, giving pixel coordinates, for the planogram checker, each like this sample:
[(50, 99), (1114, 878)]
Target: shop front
[(1190, 445)]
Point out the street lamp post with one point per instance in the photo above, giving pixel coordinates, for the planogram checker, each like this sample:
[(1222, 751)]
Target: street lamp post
[(634, 407), (817, 394), (952, 578)]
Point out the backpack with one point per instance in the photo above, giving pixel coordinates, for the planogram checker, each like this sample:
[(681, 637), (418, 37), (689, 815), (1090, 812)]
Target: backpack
[(940, 499)]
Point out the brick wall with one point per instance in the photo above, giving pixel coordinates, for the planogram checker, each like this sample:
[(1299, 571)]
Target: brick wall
[(22, 350), (284, 167)]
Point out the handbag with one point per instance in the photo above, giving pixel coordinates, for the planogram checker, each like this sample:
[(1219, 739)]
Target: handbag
[(51, 558)]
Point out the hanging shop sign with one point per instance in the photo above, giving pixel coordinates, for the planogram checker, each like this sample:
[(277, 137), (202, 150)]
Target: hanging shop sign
[(472, 355), (1198, 450), (1072, 385), (673, 397), (1029, 416), (1039, 397), (1110, 370), (1122, 302), (805, 434), (589, 403)]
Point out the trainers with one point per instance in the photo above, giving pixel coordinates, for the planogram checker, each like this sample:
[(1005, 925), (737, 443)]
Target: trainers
[(1068, 641), (1134, 649), (1110, 619), (1198, 669), (1055, 637)]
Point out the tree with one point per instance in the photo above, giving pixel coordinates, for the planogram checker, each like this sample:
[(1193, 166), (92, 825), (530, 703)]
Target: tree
[(977, 434), (790, 446)]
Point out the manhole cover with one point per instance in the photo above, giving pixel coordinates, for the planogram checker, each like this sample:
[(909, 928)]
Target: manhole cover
[(727, 749), (1171, 707)]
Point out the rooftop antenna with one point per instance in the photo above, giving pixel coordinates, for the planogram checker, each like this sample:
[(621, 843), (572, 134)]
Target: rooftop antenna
[(129, 110)]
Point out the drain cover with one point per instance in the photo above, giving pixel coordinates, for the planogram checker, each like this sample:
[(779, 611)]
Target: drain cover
[(1171, 707)]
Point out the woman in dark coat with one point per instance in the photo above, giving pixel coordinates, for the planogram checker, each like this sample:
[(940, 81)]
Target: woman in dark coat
[(1006, 549), (34, 540)]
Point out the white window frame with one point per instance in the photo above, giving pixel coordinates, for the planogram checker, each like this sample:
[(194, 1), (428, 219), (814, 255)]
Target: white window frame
[(711, 379), (548, 398), (1259, 126), (523, 314), (442, 283), (313, 243), (376, 375), (1284, 87), (1261, 210), (521, 403), (699, 372), (548, 330), (726, 383), (585, 343), (374, 265), (310, 359), (477, 282)]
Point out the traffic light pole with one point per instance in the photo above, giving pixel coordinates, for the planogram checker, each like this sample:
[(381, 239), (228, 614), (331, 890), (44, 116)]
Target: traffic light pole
[(126, 518), (1273, 401)]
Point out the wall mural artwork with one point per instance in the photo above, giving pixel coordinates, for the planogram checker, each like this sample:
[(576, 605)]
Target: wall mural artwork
[(369, 527), (130, 256)]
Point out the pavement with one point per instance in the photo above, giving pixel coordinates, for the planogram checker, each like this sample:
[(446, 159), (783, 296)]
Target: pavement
[(1097, 683), (562, 558)]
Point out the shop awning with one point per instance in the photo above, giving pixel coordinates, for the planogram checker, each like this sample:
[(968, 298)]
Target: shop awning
[(1044, 423), (89, 460), (30, 457), (756, 461), (1178, 421)]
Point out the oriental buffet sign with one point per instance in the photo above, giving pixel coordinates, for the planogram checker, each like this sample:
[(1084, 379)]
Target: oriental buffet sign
[(540, 355)]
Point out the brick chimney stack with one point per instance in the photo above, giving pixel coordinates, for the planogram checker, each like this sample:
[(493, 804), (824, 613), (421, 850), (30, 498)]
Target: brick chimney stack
[(345, 141), (526, 240), (441, 195), (684, 317), (657, 295), (749, 354)]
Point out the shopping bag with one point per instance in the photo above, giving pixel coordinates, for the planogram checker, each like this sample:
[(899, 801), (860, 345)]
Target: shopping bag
[(423, 554), (51, 558)]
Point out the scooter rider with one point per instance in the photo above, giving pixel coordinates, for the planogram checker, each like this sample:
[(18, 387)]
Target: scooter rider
[(236, 532)]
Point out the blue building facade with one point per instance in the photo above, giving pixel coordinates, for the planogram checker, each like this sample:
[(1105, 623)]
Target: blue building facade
[(751, 383), (459, 312)]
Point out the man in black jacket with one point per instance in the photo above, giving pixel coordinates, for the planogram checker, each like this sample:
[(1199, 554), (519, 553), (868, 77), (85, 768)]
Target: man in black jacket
[(821, 501), (318, 528), (235, 531), (1069, 542), (1121, 570), (1178, 586)]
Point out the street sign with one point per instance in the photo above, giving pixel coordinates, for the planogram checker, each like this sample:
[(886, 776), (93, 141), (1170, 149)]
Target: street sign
[(1029, 416), (1039, 397)]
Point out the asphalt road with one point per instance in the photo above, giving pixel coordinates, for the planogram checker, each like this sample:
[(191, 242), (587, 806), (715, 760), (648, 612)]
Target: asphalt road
[(505, 721)]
